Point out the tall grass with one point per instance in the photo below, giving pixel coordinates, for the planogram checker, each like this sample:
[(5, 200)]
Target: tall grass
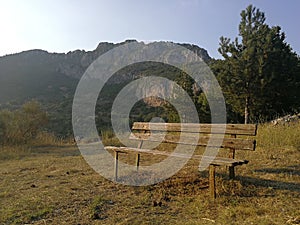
[(13, 152), (50, 139), (279, 136), (16, 150), (108, 138), (44, 138)]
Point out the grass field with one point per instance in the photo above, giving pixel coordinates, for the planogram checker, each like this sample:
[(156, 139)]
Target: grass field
[(54, 185)]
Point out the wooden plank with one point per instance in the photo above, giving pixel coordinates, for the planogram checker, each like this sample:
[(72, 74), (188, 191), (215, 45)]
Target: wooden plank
[(239, 129), (220, 161), (233, 143)]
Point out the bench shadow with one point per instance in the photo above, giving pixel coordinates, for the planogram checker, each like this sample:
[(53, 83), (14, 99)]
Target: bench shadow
[(248, 182), (56, 150), (275, 184), (291, 170), (259, 182)]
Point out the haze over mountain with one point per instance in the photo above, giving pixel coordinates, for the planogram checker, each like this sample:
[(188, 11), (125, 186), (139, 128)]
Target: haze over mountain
[(48, 76)]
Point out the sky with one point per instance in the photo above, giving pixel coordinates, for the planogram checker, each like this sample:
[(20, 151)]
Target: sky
[(67, 25)]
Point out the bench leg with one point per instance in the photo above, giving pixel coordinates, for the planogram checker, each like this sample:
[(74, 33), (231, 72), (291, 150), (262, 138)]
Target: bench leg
[(116, 165), (231, 172), (137, 161), (212, 181)]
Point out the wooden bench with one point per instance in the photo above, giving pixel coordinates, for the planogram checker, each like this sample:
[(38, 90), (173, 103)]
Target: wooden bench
[(236, 137)]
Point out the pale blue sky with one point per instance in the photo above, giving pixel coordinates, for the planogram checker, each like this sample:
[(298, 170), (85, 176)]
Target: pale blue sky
[(64, 25)]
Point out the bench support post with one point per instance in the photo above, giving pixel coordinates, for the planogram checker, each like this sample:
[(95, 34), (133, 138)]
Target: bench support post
[(231, 168), (231, 172), (212, 181), (116, 165), (231, 156), (137, 161)]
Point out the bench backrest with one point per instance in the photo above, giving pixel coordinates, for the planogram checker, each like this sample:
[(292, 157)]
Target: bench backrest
[(236, 135)]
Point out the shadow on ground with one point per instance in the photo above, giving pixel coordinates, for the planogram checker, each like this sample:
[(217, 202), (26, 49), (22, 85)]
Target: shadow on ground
[(281, 185)]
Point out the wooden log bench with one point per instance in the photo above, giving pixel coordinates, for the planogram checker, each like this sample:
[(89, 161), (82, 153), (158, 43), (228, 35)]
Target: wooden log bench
[(236, 137)]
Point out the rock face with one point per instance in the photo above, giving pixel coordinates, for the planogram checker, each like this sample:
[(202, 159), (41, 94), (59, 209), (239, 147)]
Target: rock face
[(199, 51), (75, 63), (154, 93)]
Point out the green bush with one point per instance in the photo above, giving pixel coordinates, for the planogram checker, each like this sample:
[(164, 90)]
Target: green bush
[(22, 125)]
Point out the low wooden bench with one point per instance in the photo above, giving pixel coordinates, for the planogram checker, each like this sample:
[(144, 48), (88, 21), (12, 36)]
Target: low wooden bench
[(236, 137)]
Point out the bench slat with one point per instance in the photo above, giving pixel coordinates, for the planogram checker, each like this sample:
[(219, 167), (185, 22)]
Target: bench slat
[(218, 161), (236, 143), (238, 129)]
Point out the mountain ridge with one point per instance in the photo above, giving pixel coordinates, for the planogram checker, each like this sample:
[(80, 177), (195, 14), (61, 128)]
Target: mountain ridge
[(33, 73)]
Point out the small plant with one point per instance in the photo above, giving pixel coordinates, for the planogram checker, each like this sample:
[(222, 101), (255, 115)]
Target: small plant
[(97, 208), (35, 216)]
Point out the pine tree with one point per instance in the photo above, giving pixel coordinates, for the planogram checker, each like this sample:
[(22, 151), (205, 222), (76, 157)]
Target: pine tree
[(258, 74)]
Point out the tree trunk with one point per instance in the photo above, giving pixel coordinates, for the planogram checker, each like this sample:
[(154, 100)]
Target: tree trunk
[(247, 110)]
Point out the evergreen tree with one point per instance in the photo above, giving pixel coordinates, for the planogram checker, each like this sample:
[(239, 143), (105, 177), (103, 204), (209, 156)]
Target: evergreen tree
[(259, 73)]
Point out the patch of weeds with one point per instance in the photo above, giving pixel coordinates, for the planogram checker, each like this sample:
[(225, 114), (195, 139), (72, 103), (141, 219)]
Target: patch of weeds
[(229, 187), (98, 208), (38, 215), (25, 216), (14, 152)]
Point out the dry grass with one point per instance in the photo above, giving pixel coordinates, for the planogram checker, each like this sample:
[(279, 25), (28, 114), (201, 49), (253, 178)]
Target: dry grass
[(284, 136), (54, 185)]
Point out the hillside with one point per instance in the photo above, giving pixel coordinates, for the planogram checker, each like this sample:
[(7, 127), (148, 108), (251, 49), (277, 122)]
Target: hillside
[(43, 75), (51, 79)]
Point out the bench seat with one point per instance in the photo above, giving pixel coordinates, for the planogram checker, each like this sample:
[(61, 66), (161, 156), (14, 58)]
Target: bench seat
[(217, 161)]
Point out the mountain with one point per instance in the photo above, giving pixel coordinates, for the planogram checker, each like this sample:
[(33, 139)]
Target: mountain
[(51, 78), (40, 74)]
